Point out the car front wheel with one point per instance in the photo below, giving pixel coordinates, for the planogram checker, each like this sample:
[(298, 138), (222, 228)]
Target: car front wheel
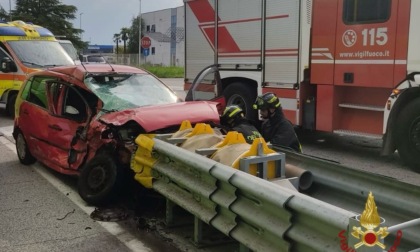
[(100, 180), (24, 155)]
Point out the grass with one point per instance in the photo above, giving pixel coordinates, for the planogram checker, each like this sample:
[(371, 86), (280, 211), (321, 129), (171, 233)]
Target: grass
[(165, 71)]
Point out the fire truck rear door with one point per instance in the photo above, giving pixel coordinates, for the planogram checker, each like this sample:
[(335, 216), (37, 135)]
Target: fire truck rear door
[(365, 43)]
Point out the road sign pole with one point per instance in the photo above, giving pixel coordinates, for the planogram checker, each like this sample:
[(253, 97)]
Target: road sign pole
[(145, 44), (140, 34)]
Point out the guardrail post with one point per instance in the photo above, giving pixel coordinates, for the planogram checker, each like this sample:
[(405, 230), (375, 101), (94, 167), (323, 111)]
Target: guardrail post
[(170, 205), (243, 248), (198, 231)]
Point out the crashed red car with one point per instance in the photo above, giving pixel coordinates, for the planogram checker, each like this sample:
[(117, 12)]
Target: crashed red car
[(82, 120)]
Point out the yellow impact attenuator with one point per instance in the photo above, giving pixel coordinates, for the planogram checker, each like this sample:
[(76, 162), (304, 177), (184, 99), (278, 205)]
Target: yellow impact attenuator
[(229, 150), (234, 148), (258, 145), (201, 128), (143, 162), (201, 136)]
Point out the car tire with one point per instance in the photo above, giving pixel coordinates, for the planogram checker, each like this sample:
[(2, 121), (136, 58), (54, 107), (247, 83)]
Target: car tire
[(100, 180), (10, 106), (22, 150), (408, 134), (243, 95)]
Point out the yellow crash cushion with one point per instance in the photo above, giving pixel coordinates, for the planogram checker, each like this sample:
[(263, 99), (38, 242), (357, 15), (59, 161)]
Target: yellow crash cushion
[(202, 136), (142, 163), (253, 151), (184, 129), (233, 146)]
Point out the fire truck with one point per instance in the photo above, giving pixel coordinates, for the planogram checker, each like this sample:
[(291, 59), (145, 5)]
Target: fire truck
[(345, 66), (31, 48)]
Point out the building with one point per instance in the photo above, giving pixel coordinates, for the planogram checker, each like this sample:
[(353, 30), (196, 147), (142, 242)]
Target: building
[(98, 49), (165, 28)]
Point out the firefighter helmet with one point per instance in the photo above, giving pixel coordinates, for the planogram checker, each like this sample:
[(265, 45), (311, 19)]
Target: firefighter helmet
[(266, 101), (230, 113)]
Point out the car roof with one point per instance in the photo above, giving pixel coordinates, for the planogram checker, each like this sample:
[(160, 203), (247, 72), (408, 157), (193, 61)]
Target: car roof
[(79, 71), (65, 41)]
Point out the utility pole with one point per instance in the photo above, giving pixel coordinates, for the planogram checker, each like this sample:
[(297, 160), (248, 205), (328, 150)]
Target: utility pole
[(140, 34), (10, 10), (81, 32)]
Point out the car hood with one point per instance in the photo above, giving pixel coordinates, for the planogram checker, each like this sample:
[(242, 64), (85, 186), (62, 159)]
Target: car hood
[(156, 117)]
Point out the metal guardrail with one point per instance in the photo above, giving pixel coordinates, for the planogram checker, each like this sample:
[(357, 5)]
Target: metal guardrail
[(262, 216)]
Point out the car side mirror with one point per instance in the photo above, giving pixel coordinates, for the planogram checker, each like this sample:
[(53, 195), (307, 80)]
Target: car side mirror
[(7, 65), (71, 110)]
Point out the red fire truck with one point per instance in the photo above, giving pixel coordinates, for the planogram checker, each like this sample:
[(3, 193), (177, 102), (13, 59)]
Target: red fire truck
[(345, 66)]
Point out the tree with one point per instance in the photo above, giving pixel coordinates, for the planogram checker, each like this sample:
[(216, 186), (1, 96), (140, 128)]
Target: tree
[(124, 36), (51, 14), (133, 36), (117, 39), (3, 14)]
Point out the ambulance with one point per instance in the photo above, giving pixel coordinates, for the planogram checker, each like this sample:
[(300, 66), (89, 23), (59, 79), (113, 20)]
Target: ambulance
[(31, 48), (350, 67)]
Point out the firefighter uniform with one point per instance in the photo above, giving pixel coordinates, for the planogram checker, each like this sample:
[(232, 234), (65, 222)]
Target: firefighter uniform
[(276, 129), (233, 119)]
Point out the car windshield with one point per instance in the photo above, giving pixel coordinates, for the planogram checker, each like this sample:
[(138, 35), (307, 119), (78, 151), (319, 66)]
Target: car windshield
[(70, 50), (40, 53), (124, 91)]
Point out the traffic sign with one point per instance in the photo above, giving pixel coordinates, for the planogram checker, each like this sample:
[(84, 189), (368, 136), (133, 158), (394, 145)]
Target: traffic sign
[(146, 42), (146, 52)]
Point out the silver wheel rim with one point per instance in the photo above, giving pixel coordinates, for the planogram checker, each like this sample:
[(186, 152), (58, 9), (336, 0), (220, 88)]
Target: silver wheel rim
[(21, 146)]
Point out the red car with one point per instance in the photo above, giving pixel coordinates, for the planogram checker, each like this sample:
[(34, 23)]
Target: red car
[(82, 120)]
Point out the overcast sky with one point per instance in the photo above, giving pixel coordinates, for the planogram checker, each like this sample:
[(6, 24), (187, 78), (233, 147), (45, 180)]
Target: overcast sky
[(101, 19)]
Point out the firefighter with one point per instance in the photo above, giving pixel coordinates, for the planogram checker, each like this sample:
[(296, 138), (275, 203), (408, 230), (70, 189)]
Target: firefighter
[(275, 128), (233, 119)]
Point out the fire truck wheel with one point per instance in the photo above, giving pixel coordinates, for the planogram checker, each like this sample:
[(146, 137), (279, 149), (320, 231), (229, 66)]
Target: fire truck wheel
[(10, 106), (100, 180), (408, 134), (243, 95)]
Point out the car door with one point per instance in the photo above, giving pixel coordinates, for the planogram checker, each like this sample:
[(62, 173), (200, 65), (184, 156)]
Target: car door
[(67, 130), (34, 117), (207, 86)]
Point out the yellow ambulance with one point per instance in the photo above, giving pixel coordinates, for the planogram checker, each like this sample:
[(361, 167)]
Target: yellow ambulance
[(31, 48)]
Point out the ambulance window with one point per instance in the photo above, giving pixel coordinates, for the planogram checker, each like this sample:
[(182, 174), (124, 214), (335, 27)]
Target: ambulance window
[(366, 11), (3, 54)]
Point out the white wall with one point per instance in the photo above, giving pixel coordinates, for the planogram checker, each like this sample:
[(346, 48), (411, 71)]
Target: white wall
[(162, 21)]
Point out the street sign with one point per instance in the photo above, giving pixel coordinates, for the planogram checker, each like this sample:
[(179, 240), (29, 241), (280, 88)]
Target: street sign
[(146, 52), (146, 42)]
